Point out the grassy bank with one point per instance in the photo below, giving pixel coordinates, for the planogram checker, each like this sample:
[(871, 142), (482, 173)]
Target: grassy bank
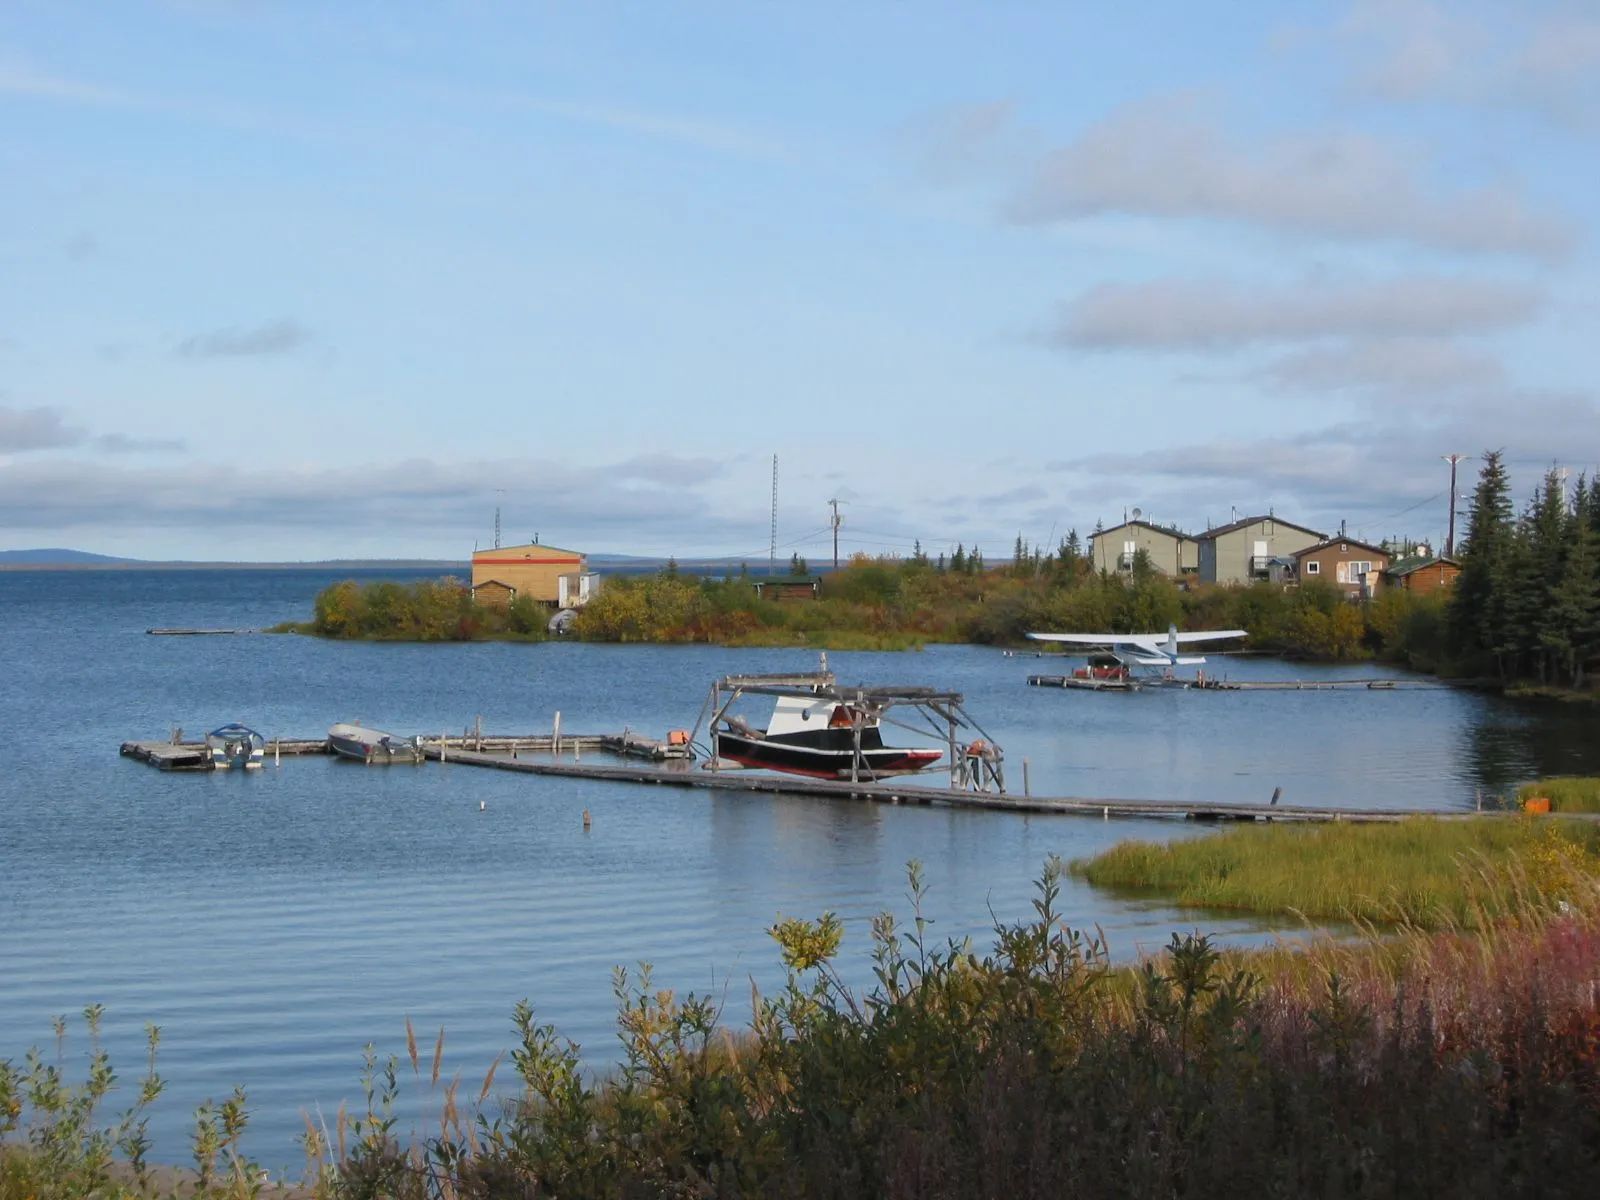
[(1437, 1064), (1421, 872), (1566, 793)]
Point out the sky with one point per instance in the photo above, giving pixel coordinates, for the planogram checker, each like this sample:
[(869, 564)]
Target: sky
[(282, 280)]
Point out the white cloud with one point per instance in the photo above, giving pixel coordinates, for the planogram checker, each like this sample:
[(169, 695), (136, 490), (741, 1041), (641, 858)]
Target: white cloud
[(1402, 365), (1368, 470), (23, 430), (275, 337), (1538, 54), (1210, 314), (1165, 160), (655, 499)]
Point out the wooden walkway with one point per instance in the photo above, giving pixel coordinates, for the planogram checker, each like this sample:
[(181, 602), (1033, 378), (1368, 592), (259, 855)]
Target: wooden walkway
[(537, 755), (684, 775), (192, 756), (1137, 683)]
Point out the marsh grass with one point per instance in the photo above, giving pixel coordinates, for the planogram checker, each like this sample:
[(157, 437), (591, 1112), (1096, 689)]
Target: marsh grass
[(1566, 793), (1448, 1063), (1422, 872)]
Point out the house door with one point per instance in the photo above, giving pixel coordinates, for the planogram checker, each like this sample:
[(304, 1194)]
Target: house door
[(1258, 561)]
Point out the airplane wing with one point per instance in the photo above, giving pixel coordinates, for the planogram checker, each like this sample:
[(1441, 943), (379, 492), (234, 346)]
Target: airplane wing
[(1148, 642), (1207, 635)]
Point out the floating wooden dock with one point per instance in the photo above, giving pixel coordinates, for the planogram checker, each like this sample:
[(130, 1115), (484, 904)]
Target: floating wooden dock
[(540, 754), (1135, 684), (192, 756), (697, 776), (196, 632)]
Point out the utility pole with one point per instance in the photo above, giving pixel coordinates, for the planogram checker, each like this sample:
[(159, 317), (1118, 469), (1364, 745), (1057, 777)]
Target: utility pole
[(835, 523), (772, 549), (1450, 538)]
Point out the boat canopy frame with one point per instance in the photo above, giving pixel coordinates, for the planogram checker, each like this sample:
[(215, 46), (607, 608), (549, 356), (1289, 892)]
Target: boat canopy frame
[(975, 764)]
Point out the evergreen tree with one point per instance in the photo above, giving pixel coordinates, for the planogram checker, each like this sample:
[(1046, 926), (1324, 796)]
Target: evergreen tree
[(975, 562), (1541, 629), (1576, 599), (917, 555), (1070, 555), (958, 560), (941, 567), (1478, 621), (1143, 569)]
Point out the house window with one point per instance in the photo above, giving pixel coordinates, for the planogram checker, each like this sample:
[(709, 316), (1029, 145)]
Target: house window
[(1313, 567), (1358, 569)]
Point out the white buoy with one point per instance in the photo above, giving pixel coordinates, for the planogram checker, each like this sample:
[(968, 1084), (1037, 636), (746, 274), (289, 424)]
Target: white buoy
[(482, 805), (586, 819)]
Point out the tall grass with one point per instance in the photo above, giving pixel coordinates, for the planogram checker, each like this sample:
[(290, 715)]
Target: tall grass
[(1424, 872), (1440, 1064), (1566, 793)]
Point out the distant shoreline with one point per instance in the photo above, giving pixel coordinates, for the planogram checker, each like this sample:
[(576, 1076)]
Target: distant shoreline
[(342, 564)]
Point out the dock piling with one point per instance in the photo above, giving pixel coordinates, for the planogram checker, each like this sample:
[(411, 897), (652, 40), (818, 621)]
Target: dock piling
[(1026, 790)]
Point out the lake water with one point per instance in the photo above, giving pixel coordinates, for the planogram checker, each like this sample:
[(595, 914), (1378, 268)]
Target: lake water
[(274, 923)]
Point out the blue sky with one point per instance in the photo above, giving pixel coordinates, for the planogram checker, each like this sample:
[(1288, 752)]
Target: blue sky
[(287, 280)]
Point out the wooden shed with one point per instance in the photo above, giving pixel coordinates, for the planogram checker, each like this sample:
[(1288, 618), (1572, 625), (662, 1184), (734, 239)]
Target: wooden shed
[(533, 570), (493, 591), (781, 588), (1424, 575)]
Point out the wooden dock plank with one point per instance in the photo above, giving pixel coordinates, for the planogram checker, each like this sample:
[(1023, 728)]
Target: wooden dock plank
[(739, 781), (532, 755)]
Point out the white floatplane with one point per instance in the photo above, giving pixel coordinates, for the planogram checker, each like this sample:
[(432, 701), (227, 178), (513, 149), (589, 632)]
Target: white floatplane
[(1136, 659)]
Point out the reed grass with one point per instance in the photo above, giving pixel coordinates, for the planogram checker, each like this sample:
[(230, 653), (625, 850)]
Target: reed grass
[(1425, 872), (1413, 1063), (1566, 793)]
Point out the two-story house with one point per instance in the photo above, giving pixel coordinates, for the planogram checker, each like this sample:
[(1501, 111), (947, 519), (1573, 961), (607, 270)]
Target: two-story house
[(1242, 552)]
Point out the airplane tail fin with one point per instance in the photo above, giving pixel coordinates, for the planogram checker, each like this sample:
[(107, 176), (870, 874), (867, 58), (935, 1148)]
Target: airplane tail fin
[(1172, 640)]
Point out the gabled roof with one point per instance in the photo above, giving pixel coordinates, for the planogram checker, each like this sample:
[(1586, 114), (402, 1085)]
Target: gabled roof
[(494, 583), (1246, 522), (1168, 530), (1408, 566), (1340, 541), (517, 551)]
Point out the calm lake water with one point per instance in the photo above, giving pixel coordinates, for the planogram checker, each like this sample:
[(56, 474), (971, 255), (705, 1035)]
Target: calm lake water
[(274, 923)]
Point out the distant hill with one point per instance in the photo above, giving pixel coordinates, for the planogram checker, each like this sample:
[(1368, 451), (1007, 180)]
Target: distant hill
[(56, 556)]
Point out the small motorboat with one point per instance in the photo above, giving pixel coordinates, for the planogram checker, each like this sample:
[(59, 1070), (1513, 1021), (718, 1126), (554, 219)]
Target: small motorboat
[(372, 745), (235, 745), (816, 735)]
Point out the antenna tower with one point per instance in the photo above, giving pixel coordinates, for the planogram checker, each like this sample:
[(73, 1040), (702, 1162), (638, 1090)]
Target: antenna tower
[(497, 527), (772, 546)]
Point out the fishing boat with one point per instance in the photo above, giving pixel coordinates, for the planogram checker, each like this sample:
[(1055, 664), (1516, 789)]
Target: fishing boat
[(820, 736), (235, 745), (826, 731), (372, 745)]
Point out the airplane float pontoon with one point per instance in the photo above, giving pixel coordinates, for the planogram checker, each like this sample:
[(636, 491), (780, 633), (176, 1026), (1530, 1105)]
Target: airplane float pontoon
[(1131, 660)]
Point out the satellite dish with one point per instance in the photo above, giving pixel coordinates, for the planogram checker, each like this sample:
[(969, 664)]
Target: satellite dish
[(1137, 513)]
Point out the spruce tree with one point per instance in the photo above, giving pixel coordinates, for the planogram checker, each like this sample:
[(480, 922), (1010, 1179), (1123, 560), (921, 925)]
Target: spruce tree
[(1478, 624), (1541, 629), (1576, 600), (958, 560)]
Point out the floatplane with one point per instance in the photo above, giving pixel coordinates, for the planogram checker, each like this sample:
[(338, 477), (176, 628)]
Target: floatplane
[(1133, 660)]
